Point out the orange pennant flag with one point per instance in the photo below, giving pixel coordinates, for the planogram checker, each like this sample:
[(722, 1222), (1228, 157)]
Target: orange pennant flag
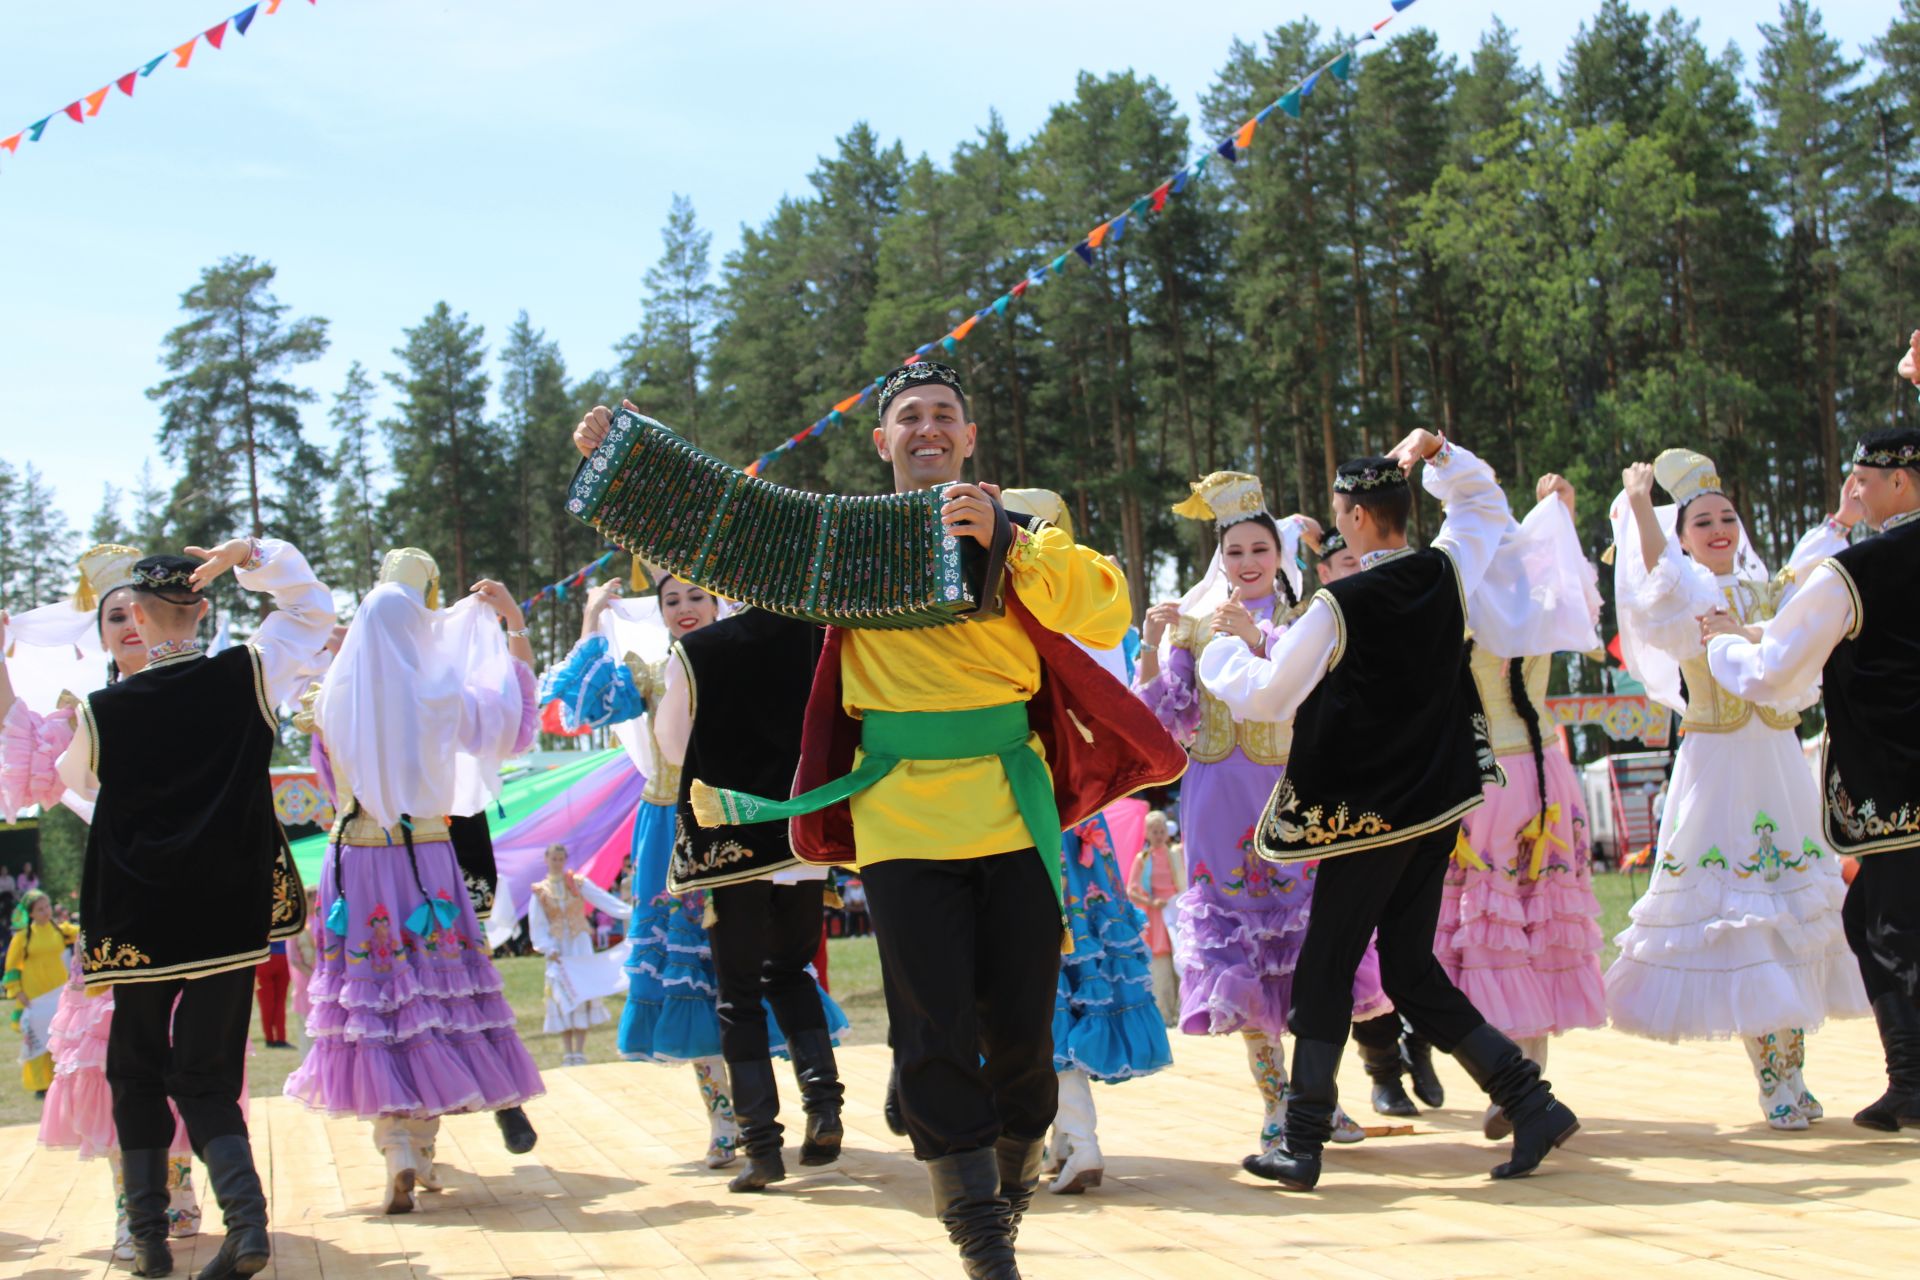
[(1244, 138), (12, 144), (848, 403), (1095, 236), (184, 53), (273, 6), (94, 100), (966, 327)]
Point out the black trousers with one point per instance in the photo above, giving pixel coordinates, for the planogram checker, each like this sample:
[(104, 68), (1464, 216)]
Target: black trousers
[(195, 1054), (1882, 919), (764, 936), (969, 958), (1395, 890)]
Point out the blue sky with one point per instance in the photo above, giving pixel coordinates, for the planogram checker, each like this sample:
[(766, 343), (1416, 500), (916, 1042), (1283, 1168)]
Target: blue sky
[(386, 154)]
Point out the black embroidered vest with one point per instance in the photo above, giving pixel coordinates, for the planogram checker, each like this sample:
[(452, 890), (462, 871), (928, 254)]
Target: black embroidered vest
[(750, 675), (1392, 743), (187, 870), (472, 841), (1871, 764)]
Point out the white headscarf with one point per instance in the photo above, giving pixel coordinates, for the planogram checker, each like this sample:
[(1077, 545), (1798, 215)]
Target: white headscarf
[(1652, 666), (1539, 594), (421, 707)]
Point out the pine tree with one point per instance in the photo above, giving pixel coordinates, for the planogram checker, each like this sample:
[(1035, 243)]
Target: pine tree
[(227, 413), (43, 543), (106, 521), (446, 460), (9, 533), (665, 359), (148, 527), (353, 552)]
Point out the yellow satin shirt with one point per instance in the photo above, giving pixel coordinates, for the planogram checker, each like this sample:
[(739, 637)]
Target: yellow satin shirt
[(950, 809)]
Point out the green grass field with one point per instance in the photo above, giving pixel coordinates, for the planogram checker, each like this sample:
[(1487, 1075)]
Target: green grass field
[(853, 969)]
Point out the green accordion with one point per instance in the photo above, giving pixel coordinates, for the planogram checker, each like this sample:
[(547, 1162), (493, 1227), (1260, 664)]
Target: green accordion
[(869, 561)]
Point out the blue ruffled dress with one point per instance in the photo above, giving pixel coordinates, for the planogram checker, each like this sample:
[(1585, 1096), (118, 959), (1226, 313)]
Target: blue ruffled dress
[(1105, 1021), (671, 1012)]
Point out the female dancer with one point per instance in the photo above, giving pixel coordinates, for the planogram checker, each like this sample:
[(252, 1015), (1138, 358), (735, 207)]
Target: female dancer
[(1243, 918), (414, 718), (609, 679), (1739, 932), (1519, 925), (578, 977)]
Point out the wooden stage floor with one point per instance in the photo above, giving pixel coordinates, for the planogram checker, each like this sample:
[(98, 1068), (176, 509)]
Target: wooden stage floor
[(1673, 1174)]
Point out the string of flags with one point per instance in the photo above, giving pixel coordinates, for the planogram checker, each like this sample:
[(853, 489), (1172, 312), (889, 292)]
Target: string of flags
[(572, 582), (82, 109), (1109, 232)]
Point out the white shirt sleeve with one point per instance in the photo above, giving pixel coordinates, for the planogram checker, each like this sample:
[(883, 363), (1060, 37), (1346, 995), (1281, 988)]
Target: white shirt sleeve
[(1270, 690), (538, 934), (673, 717), (1477, 512), (600, 900), (1793, 647), (1816, 544), (292, 640), (75, 765)]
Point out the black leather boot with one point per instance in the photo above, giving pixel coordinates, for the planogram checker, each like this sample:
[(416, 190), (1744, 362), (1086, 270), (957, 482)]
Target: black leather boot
[(145, 1175), (243, 1205), (1019, 1162), (821, 1092), (1899, 1107), (1540, 1121), (1311, 1097), (756, 1106), (896, 1120), (1378, 1040), (1426, 1081), (516, 1129), (967, 1200)]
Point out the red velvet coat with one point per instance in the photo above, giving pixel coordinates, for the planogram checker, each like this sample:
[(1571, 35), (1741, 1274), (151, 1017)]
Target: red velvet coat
[(1099, 746)]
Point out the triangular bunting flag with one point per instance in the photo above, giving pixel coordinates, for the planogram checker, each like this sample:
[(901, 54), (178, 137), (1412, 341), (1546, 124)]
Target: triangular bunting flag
[(1059, 264), (923, 349), (273, 7), (848, 403), (949, 342), (1342, 66), (216, 34), (1176, 184), (966, 327), (999, 303), (184, 53), (1085, 250), (37, 128), (1306, 86), (1098, 236), (1244, 138), (12, 144), (1032, 279), (73, 109), (1200, 165), (148, 69), (1160, 194), (126, 82), (244, 19), (95, 98), (1399, 5), (1120, 227), (1226, 150), (1383, 22), (1290, 103)]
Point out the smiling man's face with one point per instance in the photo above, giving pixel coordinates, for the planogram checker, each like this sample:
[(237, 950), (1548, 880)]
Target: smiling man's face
[(926, 436)]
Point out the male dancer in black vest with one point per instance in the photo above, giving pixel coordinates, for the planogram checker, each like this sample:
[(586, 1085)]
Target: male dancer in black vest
[(1856, 622), (733, 702), (178, 892), (1389, 751)]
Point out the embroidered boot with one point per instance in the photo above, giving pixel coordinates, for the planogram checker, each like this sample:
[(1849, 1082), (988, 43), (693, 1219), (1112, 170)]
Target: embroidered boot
[(1540, 1121), (1769, 1068), (1899, 1107), (1270, 1077), (1378, 1040), (122, 1236), (1312, 1096), (1075, 1122), (422, 1134), (183, 1209), (723, 1133), (391, 1136), (1794, 1050)]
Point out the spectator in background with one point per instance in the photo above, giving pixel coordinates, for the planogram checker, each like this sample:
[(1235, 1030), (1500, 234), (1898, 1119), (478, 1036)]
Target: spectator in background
[(1157, 878)]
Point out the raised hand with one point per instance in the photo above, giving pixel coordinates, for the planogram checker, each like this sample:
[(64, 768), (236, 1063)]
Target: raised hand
[(592, 431), (1310, 531), (230, 554), (1637, 480), (1910, 362), (1555, 483), (968, 512), (497, 598), (1419, 445), (1159, 618), (1233, 619)]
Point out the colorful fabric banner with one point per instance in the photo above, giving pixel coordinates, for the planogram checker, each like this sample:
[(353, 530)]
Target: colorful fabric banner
[(572, 582), (80, 110), (1108, 232)]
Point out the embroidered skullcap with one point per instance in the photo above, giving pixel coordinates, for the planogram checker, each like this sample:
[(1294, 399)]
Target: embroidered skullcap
[(168, 577), (1332, 545), (1894, 447), (1367, 476), (913, 375)]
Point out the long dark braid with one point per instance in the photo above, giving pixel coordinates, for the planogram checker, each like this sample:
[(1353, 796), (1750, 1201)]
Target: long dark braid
[(1530, 716)]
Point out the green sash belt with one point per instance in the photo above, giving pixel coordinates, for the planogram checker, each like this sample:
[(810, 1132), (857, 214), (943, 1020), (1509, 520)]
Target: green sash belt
[(889, 737)]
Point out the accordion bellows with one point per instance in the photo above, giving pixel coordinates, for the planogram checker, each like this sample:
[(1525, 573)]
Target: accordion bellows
[(855, 561)]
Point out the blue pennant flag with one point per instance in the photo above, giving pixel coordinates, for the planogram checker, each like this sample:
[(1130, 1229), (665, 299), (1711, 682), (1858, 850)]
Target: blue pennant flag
[(923, 348), (1179, 183), (1117, 229), (1291, 103), (1085, 251), (1399, 5), (949, 342), (244, 19), (1226, 149), (148, 69), (1306, 86)]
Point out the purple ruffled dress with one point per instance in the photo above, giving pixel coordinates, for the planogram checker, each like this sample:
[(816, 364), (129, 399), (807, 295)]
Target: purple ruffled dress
[(1242, 919), (408, 1021)]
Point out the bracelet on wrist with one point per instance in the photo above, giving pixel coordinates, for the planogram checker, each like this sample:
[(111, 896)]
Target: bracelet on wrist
[(521, 634)]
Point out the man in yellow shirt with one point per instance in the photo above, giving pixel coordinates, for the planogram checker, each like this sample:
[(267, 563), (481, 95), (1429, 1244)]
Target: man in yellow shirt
[(955, 822)]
